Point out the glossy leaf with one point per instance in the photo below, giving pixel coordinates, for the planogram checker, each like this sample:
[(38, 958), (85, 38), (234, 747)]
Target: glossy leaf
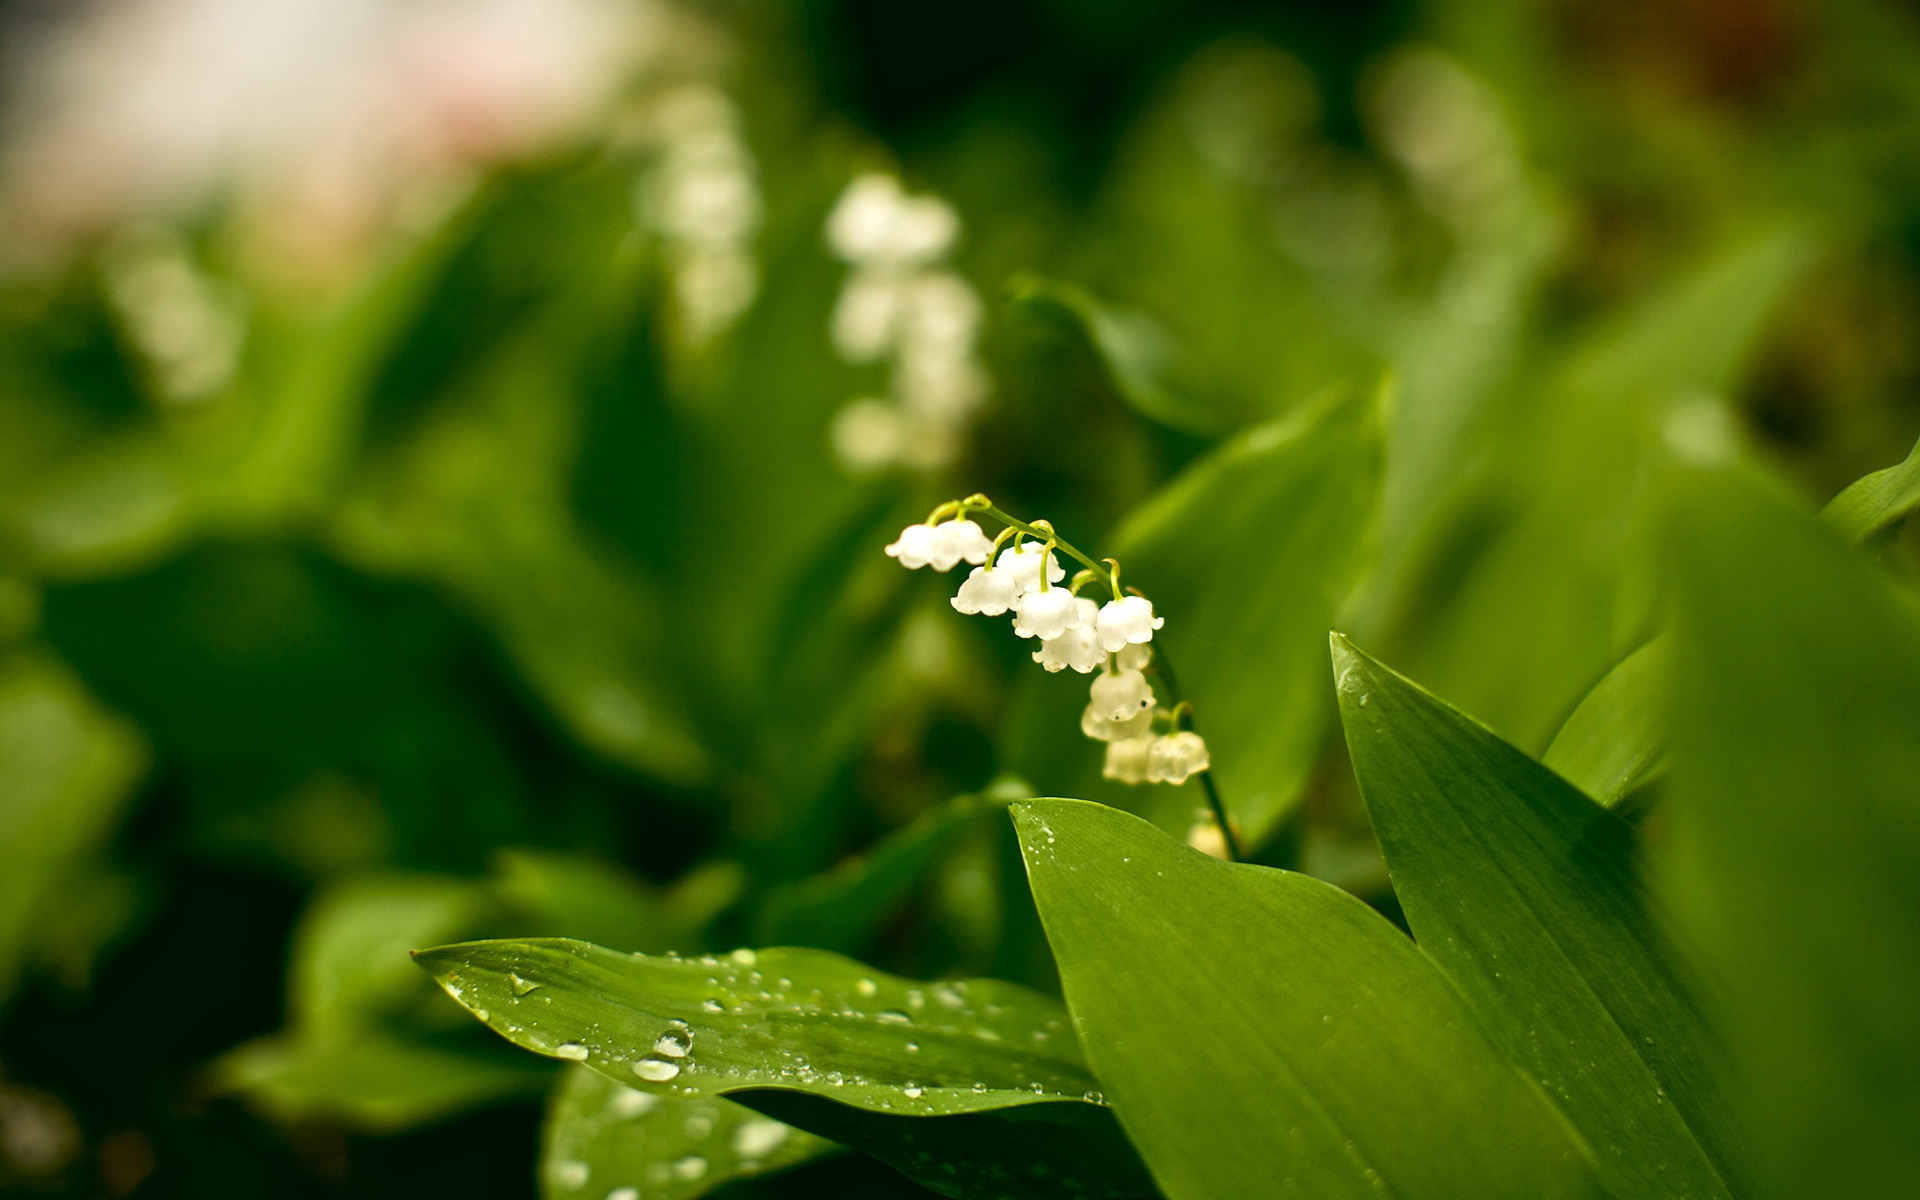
[(1262, 1033), (1795, 804), (819, 1041), (603, 1136), (1523, 891), (1615, 742), (1877, 503), (1249, 555)]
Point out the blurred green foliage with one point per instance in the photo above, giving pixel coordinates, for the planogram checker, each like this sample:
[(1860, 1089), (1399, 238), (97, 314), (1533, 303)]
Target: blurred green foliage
[(484, 601)]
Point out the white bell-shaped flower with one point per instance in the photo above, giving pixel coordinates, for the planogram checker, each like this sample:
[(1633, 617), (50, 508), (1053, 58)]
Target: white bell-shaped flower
[(1172, 758), (1102, 728), (1128, 621), (1121, 695), (1078, 647), (1046, 614), (986, 592), (1127, 759), (1025, 562), (963, 539), (919, 545), (1134, 658)]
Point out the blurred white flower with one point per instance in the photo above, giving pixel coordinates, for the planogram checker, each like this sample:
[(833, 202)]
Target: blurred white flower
[(1126, 760), (1121, 695), (900, 306), (986, 592), (1078, 647), (1173, 758), (1127, 621), (188, 325)]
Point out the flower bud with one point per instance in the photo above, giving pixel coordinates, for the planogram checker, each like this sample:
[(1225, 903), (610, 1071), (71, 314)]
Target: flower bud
[(1127, 759), (1134, 658), (1128, 621), (1025, 563), (1078, 647), (917, 546), (1046, 614), (986, 592), (1122, 695), (1096, 725), (963, 539), (1172, 758)]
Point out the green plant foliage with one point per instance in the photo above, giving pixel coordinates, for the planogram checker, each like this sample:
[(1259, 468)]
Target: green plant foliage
[(603, 1136), (66, 766), (1523, 891), (1797, 828), (1615, 741), (1878, 503), (1337, 1061), (838, 910), (928, 1077), (1259, 545)]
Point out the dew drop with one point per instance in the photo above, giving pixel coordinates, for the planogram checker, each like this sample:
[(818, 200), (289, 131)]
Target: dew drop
[(979, 1086), (1038, 1087), (577, 1051), (914, 1091), (867, 987), (521, 986), (712, 1005), (1093, 1097), (913, 1047), (674, 1043), (655, 1070), (745, 957), (482, 1013), (894, 1016)]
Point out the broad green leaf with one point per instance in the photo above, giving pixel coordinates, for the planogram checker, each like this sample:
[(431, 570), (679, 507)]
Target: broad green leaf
[(1136, 350), (1795, 808), (599, 901), (66, 767), (1249, 555), (371, 1081), (1876, 503), (930, 1078), (840, 909), (1523, 891), (350, 950), (1615, 742), (1262, 1033), (603, 1136)]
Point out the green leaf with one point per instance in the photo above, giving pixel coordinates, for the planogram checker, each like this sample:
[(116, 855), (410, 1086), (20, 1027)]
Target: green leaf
[(1523, 891), (1795, 808), (840, 909), (603, 1136), (1137, 352), (1249, 555), (1877, 503), (370, 1081), (1260, 1031), (599, 901), (1615, 742), (66, 768), (930, 1078)]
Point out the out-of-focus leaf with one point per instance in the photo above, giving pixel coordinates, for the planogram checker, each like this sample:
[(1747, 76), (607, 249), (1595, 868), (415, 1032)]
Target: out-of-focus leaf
[(1248, 556), (840, 909), (371, 1080), (931, 1078), (1136, 350), (1795, 808), (1335, 1061), (595, 900), (603, 1136), (1877, 503), (1615, 742), (1548, 604), (1523, 891), (350, 950), (66, 767)]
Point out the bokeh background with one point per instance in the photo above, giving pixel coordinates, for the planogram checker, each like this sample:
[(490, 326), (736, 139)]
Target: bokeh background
[(442, 477)]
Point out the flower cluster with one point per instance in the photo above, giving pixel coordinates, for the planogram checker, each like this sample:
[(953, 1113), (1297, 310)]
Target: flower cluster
[(1019, 573), (701, 196), (900, 305)]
